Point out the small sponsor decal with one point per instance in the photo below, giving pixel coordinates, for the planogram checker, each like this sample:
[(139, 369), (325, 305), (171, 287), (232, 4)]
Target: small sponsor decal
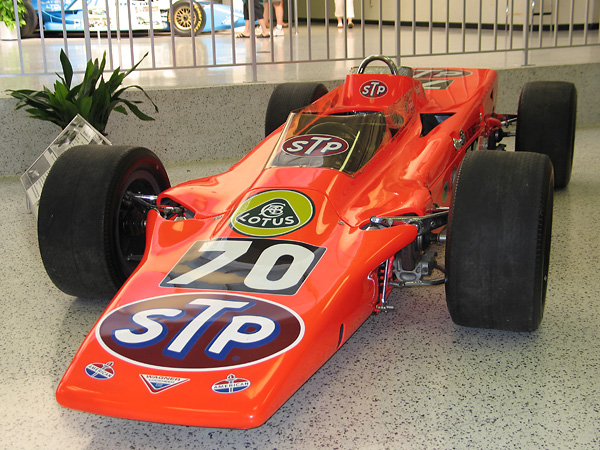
[(373, 89), (311, 145), (198, 332), (160, 383), (231, 385), (273, 213), (438, 79), (100, 371), (436, 74)]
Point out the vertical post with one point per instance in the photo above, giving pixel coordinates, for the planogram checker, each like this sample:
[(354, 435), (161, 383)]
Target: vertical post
[(362, 28), (556, 23), (479, 27), (526, 33), (86, 30), (430, 27), (296, 15), (398, 29), (308, 31), (380, 28), (496, 26), (42, 39), (130, 23), (232, 33), (291, 37), (151, 34), (511, 20), (192, 31), (64, 26), (108, 36), (414, 28), (253, 40), (212, 31), (571, 18), (447, 26), (464, 25), (16, 18), (586, 22)]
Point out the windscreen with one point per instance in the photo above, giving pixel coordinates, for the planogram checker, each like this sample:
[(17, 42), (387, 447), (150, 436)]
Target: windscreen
[(343, 142)]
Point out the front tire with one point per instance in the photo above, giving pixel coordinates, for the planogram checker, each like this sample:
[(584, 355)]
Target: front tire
[(87, 236), (498, 241), (546, 121)]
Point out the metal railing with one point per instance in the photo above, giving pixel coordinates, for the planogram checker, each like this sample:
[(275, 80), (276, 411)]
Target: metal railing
[(397, 28)]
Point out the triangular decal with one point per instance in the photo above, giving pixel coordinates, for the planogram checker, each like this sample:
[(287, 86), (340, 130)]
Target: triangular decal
[(160, 383)]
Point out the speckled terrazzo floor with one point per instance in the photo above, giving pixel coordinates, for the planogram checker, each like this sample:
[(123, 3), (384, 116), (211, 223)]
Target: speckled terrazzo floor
[(408, 379)]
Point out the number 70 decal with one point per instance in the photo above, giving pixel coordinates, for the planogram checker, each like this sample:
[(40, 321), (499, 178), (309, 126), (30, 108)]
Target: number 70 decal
[(247, 265)]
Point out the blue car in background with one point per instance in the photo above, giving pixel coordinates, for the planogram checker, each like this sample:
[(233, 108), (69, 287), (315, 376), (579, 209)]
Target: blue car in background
[(182, 16)]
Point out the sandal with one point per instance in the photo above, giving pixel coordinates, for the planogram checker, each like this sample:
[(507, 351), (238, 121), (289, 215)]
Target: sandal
[(241, 35), (263, 36)]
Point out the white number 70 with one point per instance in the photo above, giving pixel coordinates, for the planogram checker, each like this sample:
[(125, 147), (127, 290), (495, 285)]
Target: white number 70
[(258, 276)]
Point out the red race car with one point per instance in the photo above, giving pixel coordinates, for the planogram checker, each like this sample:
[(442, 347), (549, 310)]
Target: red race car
[(232, 290)]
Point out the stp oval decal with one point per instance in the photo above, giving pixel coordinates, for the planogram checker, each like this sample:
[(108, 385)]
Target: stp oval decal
[(315, 145), (373, 89), (199, 332)]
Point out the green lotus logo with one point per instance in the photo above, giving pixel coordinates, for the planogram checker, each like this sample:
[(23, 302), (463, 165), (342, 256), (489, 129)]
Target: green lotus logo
[(273, 213)]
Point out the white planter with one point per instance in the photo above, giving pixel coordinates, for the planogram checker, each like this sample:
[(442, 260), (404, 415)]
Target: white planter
[(6, 34)]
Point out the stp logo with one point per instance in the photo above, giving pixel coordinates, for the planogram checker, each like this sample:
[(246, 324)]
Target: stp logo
[(199, 332), (373, 89), (315, 145)]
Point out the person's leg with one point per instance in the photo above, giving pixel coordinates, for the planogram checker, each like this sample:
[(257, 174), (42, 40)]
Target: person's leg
[(246, 32), (279, 12), (339, 12), (259, 15), (278, 29), (266, 13), (350, 12)]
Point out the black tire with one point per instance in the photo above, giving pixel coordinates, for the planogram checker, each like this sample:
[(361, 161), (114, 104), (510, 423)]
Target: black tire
[(31, 21), (546, 121), (181, 18), (498, 241), (288, 97), (87, 232)]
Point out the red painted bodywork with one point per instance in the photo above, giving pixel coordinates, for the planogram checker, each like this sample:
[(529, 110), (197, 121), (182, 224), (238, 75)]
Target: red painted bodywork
[(411, 174)]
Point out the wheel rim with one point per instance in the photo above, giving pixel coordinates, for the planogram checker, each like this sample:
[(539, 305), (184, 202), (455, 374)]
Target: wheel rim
[(130, 226), (183, 18)]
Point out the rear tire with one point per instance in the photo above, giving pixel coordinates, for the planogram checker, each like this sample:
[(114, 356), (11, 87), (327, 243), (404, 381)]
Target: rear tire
[(546, 122), (87, 232), (31, 20), (288, 97), (498, 241)]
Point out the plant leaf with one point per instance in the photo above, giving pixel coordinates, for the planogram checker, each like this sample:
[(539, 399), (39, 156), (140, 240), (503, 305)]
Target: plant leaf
[(135, 86), (135, 110), (67, 68)]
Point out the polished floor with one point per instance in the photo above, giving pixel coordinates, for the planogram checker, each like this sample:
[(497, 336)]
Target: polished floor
[(407, 379)]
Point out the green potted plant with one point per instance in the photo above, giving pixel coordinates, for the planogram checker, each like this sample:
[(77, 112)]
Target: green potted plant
[(93, 99), (7, 18)]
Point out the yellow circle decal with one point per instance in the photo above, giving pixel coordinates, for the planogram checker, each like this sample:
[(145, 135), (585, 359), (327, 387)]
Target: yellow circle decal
[(273, 213)]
